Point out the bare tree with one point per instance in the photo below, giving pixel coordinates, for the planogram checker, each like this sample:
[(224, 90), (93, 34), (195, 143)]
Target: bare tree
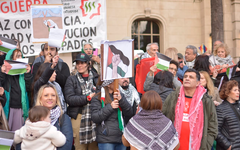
[(217, 20)]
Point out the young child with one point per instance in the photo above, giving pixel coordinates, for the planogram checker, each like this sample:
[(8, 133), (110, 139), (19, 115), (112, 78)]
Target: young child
[(38, 133)]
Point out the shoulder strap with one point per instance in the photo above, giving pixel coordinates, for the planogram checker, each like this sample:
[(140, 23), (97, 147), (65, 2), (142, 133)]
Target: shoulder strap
[(235, 111)]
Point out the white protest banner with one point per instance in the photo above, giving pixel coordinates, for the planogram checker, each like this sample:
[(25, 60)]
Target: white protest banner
[(84, 21)]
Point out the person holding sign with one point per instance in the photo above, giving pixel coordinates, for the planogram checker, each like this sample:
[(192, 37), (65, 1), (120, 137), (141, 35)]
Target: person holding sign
[(108, 109), (16, 87), (79, 90), (61, 68)]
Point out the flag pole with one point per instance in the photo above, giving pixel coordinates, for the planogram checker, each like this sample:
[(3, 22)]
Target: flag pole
[(115, 83)]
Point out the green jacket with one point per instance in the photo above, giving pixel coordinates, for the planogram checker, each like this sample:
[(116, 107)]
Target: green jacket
[(210, 129)]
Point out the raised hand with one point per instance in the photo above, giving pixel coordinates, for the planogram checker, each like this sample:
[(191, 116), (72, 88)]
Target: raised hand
[(96, 58), (55, 61)]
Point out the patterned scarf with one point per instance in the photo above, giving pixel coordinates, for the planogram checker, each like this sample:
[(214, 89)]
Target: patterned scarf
[(145, 55), (152, 130), (190, 64), (87, 132), (55, 113), (221, 61), (131, 94), (196, 116)]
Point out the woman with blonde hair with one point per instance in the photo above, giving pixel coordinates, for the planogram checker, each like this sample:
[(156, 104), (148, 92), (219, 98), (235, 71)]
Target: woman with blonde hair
[(221, 58), (172, 53), (207, 83), (48, 97)]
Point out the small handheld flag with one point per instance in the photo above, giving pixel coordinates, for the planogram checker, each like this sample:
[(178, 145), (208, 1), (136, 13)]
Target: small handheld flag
[(203, 48)]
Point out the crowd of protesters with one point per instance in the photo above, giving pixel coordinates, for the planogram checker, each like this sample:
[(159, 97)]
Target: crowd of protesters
[(50, 107)]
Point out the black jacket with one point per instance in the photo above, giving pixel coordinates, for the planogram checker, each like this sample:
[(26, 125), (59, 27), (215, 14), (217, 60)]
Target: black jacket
[(162, 91), (73, 95), (110, 132), (62, 71), (228, 127)]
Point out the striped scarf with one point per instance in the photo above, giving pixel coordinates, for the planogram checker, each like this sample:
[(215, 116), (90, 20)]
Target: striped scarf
[(87, 132)]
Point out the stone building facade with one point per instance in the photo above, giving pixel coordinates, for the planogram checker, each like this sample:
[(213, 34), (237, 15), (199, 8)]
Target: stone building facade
[(171, 23)]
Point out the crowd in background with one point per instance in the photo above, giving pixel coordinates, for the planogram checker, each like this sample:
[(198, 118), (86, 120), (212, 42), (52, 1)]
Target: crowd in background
[(50, 107)]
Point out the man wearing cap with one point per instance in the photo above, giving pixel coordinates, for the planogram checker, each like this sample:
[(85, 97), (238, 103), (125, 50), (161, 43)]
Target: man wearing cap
[(61, 68), (79, 90), (182, 68)]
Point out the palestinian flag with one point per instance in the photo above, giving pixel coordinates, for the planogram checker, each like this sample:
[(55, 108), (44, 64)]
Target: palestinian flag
[(7, 44), (6, 139), (122, 67), (162, 61), (15, 67)]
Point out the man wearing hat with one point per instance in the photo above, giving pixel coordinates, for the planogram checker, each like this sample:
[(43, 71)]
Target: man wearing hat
[(79, 90)]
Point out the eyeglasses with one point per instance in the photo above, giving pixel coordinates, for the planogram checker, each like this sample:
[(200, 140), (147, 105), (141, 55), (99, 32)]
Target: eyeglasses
[(172, 69), (88, 49)]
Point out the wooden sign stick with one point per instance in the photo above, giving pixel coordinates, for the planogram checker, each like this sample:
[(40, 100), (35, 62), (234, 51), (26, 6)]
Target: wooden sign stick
[(115, 83)]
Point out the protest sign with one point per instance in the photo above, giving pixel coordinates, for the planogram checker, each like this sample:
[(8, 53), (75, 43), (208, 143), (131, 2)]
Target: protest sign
[(56, 37), (45, 18), (117, 59), (84, 21)]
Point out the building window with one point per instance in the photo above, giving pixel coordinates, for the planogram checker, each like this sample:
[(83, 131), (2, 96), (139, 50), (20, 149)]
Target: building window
[(144, 32)]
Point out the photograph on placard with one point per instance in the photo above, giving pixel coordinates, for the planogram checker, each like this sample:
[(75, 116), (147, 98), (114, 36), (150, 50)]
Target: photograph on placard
[(45, 18), (117, 59)]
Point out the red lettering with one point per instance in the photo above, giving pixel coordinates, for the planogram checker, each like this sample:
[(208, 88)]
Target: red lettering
[(11, 6), (20, 6), (4, 7), (45, 2), (35, 1), (28, 4)]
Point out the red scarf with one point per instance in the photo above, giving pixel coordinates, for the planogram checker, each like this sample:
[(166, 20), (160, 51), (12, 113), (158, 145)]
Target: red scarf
[(196, 116)]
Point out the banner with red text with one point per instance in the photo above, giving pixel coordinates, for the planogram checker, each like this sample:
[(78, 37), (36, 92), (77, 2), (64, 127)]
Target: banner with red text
[(84, 21)]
